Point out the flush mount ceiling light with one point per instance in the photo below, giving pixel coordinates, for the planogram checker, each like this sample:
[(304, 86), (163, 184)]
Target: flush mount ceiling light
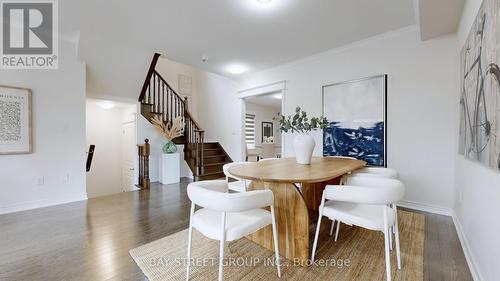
[(236, 68), (106, 104), (263, 6)]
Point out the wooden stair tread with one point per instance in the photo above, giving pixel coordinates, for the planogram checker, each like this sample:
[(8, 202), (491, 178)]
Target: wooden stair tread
[(211, 174), (213, 156), (215, 164)]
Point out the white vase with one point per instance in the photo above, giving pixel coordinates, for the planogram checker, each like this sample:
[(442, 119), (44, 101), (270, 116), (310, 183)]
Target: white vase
[(303, 146)]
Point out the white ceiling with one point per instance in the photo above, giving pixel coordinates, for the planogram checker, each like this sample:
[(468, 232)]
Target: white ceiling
[(129, 107), (438, 18), (270, 100), (231, 31)]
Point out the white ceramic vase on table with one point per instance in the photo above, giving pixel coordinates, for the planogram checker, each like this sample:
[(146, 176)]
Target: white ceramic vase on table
[(303, 145)]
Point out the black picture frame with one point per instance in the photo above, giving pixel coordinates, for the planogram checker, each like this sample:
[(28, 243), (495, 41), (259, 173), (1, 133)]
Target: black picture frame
[(266, 126)]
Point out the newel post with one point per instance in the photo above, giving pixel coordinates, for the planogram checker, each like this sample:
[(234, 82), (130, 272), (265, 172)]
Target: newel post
[(186, 128), (202, 140), (144, 152)]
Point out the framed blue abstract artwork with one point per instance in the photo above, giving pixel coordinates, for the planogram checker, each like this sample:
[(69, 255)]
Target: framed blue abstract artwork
[(356, 112)]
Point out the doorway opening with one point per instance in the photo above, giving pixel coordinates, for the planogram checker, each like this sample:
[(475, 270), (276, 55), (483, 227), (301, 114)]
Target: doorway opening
[(111, 127), (260, 128)]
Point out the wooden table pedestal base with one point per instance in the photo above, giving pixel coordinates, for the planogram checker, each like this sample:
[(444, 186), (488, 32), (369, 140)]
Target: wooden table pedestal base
[(293, 208)]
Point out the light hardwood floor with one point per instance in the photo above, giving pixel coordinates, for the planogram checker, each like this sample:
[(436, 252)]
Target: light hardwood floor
[(90, 240)]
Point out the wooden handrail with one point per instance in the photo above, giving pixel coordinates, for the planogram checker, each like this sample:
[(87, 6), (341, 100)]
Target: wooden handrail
[(168, 85), (152, 66)]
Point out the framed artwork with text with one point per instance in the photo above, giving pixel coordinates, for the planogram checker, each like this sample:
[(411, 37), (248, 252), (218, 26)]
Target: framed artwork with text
[(15, 120)]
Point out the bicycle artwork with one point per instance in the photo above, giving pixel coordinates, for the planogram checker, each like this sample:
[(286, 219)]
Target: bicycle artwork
[(480, 88)]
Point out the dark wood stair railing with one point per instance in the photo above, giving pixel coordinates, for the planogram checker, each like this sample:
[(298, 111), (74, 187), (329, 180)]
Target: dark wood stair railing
[(158, 98), (144, 151), (90, 156)]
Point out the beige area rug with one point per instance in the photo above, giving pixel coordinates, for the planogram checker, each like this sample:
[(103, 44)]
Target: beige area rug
[(357, 255)]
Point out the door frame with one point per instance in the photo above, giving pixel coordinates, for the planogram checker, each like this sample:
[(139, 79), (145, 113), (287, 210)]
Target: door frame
[(272, 88), (134, 153)]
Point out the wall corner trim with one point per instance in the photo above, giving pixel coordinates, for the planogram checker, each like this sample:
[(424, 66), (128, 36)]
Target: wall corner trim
[(471, 261)]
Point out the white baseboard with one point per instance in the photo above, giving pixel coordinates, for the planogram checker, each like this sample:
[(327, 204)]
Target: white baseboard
[(474, 269), (30, 205), (434, 209)]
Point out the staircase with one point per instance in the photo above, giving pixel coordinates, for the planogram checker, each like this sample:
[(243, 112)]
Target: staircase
[(157, 98)]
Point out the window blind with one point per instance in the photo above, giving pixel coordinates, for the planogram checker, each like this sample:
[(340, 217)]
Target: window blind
[(250, 129)]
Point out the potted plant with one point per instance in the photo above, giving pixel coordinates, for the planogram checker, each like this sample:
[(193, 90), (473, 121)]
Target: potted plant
[(303, 143), (170, 130)]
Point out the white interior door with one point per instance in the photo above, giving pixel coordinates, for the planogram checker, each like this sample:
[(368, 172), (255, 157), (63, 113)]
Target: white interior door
[(128, 156)]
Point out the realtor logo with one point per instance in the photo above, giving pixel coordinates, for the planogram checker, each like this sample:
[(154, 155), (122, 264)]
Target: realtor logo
[(29, 34)]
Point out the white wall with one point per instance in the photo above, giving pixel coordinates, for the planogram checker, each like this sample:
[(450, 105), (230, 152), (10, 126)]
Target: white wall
[(264, 114), (170, 71), (58, 137), (477, 193), (104, 130), (421, 102), (220, 112)]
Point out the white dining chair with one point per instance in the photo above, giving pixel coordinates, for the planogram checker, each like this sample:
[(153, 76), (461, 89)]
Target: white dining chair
[(380, 172), (342, 157), (268, 150), (249, 153), (229, 216), (377, 172), (368, 202), (341, 182), (240, 185)]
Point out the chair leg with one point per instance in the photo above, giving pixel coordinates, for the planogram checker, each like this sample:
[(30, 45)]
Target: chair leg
[(276, 246), (331, 228), (396, 237), (315, 244), (190, 239), (387, 255), (221, 251), (390, 238), (387, 247), (337, 231)]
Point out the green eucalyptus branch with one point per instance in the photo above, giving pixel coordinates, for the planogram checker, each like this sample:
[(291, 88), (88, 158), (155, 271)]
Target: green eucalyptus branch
[(300, 123)]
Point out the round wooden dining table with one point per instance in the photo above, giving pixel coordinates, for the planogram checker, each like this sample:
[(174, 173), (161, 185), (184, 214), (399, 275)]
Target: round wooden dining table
[(297, 193)]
